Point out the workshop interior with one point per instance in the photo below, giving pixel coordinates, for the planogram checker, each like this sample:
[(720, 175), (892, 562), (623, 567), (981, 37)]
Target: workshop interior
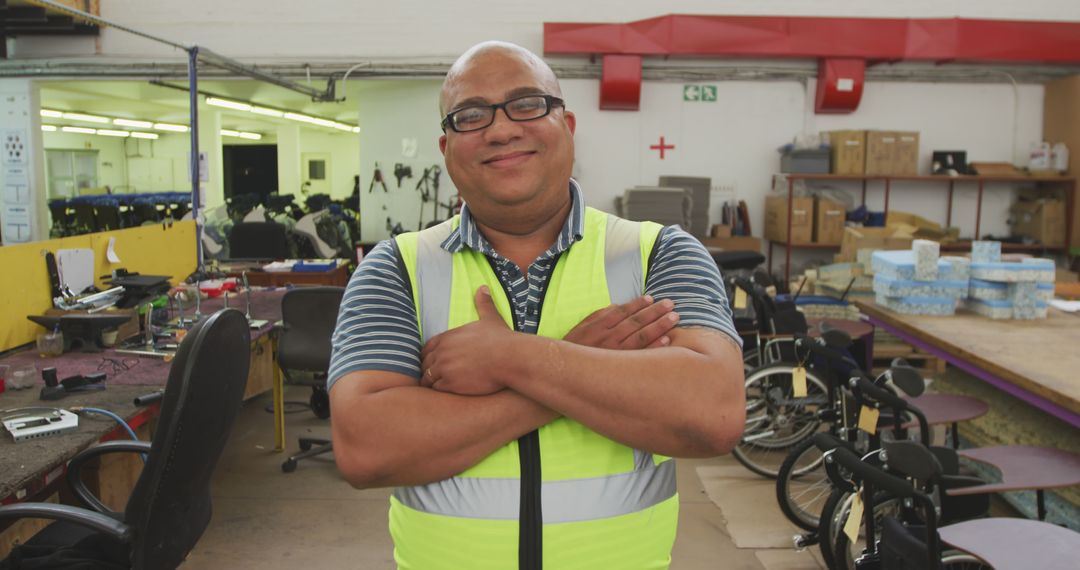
[(888, 190)]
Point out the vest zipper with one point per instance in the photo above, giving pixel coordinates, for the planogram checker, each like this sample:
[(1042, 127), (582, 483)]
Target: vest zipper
[(530, 515)]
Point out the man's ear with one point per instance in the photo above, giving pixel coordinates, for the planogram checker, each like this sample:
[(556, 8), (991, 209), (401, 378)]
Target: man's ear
[(571, 120), (442, 144)]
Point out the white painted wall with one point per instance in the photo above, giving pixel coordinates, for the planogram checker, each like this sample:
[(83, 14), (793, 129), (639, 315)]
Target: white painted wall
[(342, 29), (732, 141)]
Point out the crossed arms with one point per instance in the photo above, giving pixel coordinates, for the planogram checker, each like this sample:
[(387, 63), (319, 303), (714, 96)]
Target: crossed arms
[(625, 371)]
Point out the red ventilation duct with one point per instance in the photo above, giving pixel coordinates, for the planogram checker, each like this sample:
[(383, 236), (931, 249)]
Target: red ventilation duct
[(839, 85), (942, 40), (620, 83)]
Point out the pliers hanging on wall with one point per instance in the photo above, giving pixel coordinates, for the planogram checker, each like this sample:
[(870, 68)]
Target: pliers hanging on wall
[(377, 178)]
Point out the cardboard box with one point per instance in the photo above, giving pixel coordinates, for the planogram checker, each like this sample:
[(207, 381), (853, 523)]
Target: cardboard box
[(720, 231), (736, 243), (829, 217), (1043, 220), (894, 153), (917, 226), (1061, 108), (871, 238), (776, 219), (848, 151)]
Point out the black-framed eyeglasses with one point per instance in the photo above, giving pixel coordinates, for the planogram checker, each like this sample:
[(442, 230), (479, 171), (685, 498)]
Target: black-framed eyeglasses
[(524, 108)]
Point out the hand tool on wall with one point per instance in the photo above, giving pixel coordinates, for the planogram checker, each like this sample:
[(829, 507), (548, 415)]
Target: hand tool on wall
[(377, 178), (402, 171)]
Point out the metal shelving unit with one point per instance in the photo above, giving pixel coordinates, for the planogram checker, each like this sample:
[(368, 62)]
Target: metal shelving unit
[(1069, 184)]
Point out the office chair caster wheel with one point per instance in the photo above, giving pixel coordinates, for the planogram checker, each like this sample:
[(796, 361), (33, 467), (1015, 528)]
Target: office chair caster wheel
[(289, 466), (320, 404), (305, 445)]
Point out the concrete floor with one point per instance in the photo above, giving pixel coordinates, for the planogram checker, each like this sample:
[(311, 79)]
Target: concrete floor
[(267, 519)]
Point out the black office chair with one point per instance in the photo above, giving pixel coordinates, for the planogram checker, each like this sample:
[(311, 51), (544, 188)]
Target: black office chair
[(309, 315), (258, 240), (169, 507)]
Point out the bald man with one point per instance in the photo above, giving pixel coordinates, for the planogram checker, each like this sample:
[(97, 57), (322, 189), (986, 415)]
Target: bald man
[(524, 372)]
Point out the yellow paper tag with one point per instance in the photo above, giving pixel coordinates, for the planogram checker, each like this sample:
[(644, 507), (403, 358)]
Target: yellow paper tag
[(798, 382), (868, 418), (740, 298), (854, 520), (180, 334)]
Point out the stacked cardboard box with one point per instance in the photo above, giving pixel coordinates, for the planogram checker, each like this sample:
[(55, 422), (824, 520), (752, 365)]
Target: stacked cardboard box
[(894, 153)]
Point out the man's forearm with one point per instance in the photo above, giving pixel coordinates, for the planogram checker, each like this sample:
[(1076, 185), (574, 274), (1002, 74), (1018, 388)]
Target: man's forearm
[(410, 435), (683, 400)]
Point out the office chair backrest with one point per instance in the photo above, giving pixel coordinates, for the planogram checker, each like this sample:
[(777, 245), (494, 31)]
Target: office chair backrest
[(258, 240), (309, 315), (170, 505)]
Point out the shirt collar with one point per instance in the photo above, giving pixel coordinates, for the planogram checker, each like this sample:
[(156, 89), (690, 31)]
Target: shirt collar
[(468, 234)]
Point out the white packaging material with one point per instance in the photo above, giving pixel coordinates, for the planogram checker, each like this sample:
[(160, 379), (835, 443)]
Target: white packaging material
[(960, 267), (913, 288), (900, 264), (1023, 294), (935, 306), (1005, 309), (994, 291), (926, 257), (985, 251), (1007, 272)]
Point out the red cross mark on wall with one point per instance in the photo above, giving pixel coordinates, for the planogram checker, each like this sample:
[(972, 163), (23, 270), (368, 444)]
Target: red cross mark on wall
[(661, 147)]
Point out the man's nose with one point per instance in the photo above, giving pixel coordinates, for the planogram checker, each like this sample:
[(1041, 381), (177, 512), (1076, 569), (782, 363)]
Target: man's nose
[(502, 128)]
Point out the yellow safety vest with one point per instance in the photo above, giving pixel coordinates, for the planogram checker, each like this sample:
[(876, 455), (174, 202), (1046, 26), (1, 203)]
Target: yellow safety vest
[(604, 505)]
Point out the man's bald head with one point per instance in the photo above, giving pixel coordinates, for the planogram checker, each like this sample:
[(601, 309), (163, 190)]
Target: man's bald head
[(491, 52)]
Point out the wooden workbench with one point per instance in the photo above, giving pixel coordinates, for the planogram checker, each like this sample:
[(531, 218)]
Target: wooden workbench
[(1036, 361)]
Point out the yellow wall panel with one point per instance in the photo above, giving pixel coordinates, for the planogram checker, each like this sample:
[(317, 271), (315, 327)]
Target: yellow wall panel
[(24, 287)]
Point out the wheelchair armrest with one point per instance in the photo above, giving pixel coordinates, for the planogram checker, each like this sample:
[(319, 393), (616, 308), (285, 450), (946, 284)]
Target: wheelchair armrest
[(74, 478), (97, 521)]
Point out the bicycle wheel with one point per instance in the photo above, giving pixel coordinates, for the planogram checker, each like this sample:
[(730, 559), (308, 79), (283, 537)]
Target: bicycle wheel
[(775, 419), (802, 486), (838, 552)]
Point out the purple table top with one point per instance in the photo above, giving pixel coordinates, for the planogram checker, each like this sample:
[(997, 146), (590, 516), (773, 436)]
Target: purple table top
[(132, 370)]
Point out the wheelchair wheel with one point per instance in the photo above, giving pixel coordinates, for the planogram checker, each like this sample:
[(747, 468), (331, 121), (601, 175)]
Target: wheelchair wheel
[(775, 419), (837, 550), (802, 486)]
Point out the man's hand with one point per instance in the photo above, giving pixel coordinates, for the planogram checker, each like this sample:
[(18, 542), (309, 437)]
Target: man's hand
[(448, 362), (641, 323)]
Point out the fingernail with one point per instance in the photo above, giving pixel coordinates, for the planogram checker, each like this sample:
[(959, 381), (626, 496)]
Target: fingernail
[(648, 298), (673, 317), (665, 340), (485, 291)]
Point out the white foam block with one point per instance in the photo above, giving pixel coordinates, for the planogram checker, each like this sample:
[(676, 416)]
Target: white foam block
[(927, 254)]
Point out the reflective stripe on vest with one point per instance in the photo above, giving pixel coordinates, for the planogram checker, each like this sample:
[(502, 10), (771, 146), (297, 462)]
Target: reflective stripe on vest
[(563, 501)]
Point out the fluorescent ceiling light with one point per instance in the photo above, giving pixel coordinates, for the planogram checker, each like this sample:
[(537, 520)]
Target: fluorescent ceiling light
[(241, 134), (82, 130), (299, 117), (228, 133), (133, 123), (171, 127), (85, 118), (251, 136), (51, 113), (228, 104), (112, 133), (48, 128), (138, 135), (356, 129), (343, 127), (267, 112)]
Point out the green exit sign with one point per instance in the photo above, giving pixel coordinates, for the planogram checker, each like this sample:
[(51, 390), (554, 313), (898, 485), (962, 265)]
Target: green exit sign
[(705, 93)]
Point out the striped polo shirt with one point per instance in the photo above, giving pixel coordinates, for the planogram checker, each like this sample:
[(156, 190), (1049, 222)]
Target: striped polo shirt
[(377, 329)]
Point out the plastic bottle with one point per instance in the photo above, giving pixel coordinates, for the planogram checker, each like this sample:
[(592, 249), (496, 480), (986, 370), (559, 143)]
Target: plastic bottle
[(1059, 157), (1039, 158)]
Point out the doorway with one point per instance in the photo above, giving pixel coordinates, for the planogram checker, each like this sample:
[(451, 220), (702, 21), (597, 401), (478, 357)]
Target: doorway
[(250, 169)]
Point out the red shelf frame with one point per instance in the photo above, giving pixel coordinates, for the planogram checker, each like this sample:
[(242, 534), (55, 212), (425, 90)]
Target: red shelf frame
[(1068, 183)]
